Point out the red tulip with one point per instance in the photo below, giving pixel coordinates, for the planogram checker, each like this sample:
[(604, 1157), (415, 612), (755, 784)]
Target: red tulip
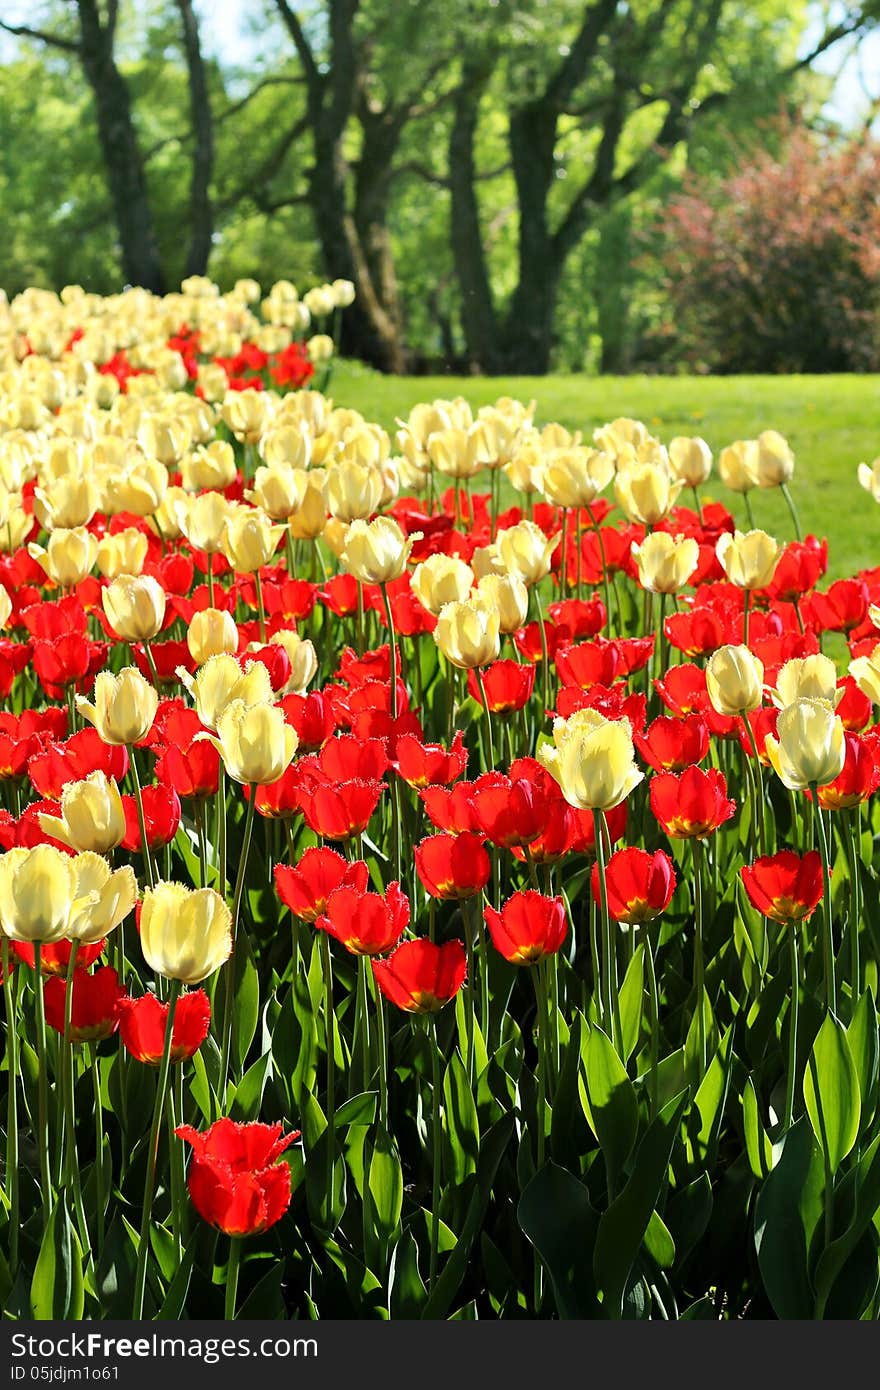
[(639, 885), (94, 1009), (452, 866), (517, 809), (671, 745), (692, 805), (528, 927), (528, 641), (338, 811), (785, 886), (305, 887), (429, 764), (614, 701), (312, 716), (161, 818), (451, 808), (345, 757), (235, 1180), (855, 708), (142, 1024), (55, 956), (583, 832), (698, 632), (587, 663), (54, 766), (858, 779), (508, 685), (367, 924), (421, 977), (841, 609), (576, 617)]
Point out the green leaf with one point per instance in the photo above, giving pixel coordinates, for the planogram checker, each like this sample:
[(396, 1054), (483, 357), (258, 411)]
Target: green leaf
[(448, 1281), (867, 1203), (569, 1134), (249, 1091), (758, 1146), (555, 1213), (358, 1110), (787, 1212), (687, 1215), (622, 1227), (612, 1107), (460, 1124), (57, 1284), (708, 1108), (831, 1093), (385, 1183), (175, 1297), (659, 1243), (864, 1045), (631, 996), (246, 1000), (407, 1293)]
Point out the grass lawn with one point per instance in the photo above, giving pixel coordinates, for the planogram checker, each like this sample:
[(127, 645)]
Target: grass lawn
[(831, 422)]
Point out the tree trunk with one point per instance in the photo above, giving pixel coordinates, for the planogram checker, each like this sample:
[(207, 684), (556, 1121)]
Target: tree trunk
[(528, 329), (372, 194), (200, 210), (477, 308), (124, 165)]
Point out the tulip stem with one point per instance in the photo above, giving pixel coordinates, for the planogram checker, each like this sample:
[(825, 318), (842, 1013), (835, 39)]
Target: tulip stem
[(792, 1027), (232, 1278), (210, 560), (70, 1167), (563, 576), (605, 585), (792, 510), (9, 995), (382, 1035), (42, 1087), (654, 1006), (152, 664), (541, 1041), (611, 1009), (142, 823), (362, 1018), (852, 817), (699, 961), (330, 1045), (480, 682), (746, 603), (360, 618), (758, 782), (470, 989), (140, 1282), (231, 965), (433, 1033), (749, 513), (545, 659), (100, 1198), (827, 931), (578, 531), (261, 608)]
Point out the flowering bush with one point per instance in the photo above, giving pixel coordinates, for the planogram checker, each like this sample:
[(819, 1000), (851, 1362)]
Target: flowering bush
[(440, 904)]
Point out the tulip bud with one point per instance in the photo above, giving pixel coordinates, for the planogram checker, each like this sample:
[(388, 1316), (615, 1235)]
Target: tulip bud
[(308, 521), (526, 552), (508, 596), (68, 502), (247, 414), (775, 460), (809, 749), (441, 579), (376, 552), (690, 460), (665, 563), (211, 632), (749, 559), (303, 661), (37, 893), (869, 478), (593, 760), (738, 465), (734, 681), (574, 477), (865, 671), (135, 607), (124, 552), (92, 815), (250, 539), (186, 934), (254, 741), (646, 493), (343, 293), (202, 520), (69, 555), (353, 491), (210, 468), (106, 897), (124, 706), (220, 681), (468, 634), (279, 490)]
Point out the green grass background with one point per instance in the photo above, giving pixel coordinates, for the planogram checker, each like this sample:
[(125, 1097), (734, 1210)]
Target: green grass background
[(831, 422)]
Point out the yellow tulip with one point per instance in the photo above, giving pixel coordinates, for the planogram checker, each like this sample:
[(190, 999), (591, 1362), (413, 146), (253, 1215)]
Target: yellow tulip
[(69, 555), (508, 596), (665, 563), (209, 468), (575, 477), (186, 934), (749, 558), (468, 634), (106, 898), (135, 607), (809, 749), (67, 502), (734, 681), (738, 465), (279, 490), (220, 681), (526, 552), (247, 414), (808, 677), (865, 671), (593, 760), (441, 579), (376, 552), (250, 539), (202, 520), (92, 815), (255, 742), (303, 661), (353, 491), (38, 891), (124, 706), (124, 552), (211, 632), (690, 460), (775, 460)]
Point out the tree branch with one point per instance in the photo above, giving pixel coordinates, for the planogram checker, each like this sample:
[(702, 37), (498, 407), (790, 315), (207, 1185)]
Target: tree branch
[(24, 31), (303, 47)]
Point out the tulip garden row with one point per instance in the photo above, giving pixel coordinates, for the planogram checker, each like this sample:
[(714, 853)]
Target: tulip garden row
[(438, 873)]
